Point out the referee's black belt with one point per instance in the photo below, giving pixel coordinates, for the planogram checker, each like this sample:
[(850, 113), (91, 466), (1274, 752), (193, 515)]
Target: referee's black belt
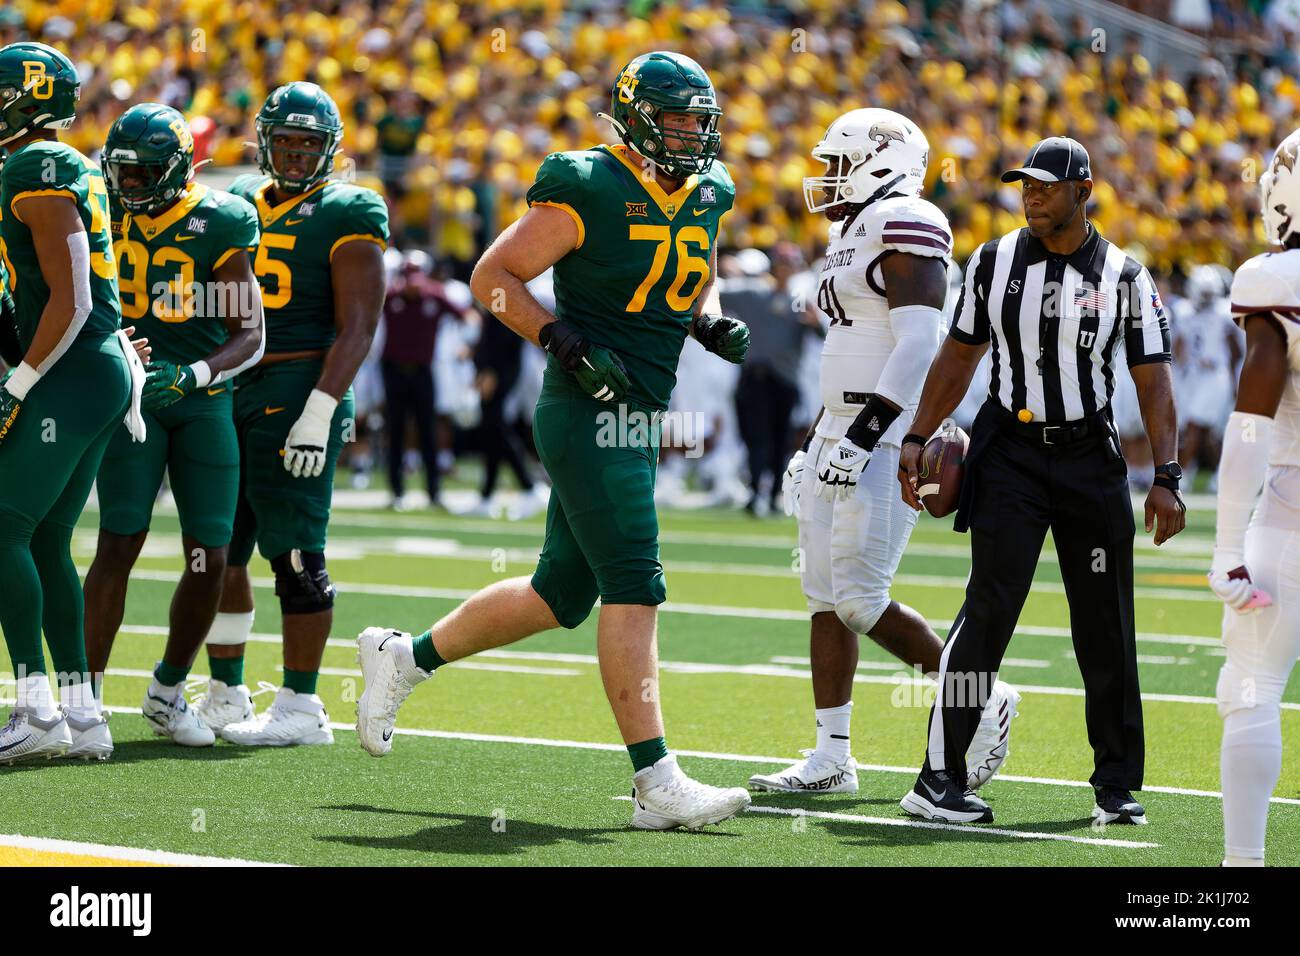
[(1062, 433)]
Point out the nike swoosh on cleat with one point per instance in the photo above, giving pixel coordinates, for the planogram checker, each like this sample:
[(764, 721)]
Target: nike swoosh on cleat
[(15, 743), (385, 641), (388, 734), (934, 795)]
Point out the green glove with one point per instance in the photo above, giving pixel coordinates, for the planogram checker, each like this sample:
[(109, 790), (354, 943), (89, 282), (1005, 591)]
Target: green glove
[(723, 336), (599, 372), (166, 383)]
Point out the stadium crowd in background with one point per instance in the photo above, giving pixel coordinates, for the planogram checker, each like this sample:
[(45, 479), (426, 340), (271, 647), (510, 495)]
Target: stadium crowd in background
[(449, 108)]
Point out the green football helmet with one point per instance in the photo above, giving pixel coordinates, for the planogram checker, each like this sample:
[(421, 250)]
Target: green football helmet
[(157, 140), (299, 106), (39, 89), (657, 83)]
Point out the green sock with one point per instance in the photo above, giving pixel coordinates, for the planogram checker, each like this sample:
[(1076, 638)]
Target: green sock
[(228, 670), (301, 682), (647, 753), (169, 675), (427, 657)]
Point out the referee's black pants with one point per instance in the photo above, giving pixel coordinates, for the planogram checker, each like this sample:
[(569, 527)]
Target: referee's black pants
[(1021, 489)]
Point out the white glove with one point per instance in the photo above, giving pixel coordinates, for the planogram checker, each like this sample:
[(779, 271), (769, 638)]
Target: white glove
[(1231, 583), (839, 477), (790, 483), (304, 449)]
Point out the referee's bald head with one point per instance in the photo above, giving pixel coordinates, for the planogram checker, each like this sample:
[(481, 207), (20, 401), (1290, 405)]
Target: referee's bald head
[(1056, 181)]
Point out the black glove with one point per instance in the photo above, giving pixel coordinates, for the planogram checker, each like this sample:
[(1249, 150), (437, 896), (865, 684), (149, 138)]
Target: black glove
[(600, 373), (723, 336), (10, 348)]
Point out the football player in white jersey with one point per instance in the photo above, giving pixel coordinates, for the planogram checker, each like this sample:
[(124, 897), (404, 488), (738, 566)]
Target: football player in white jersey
[(883, 284), (1205, 352), (1256, 569)]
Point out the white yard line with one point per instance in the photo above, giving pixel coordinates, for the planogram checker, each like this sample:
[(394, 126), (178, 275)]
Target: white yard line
[(128, 853), (712, 755)]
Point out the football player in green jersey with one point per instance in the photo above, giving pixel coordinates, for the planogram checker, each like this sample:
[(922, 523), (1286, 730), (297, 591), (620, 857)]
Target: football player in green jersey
[(320, 264), (185, 275), (631, 231), (62, 403)]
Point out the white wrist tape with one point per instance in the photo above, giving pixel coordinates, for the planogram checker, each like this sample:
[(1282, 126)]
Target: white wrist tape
[(1241, 475), (320, 406), (21, 381), (916, 340), (202, 374)]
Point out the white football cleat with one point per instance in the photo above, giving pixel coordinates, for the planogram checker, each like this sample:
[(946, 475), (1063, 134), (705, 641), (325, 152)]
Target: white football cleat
[(90, 738), (291, 720), (388, 668), (992, 741), (175, 718), (27, 737), (816, 773), (222, 704), (664, 798)]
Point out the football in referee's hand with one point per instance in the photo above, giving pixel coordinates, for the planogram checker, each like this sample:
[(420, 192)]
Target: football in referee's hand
[(942, 462)]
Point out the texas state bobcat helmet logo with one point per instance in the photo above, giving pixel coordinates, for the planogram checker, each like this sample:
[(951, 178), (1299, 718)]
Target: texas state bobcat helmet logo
[(883, 134)]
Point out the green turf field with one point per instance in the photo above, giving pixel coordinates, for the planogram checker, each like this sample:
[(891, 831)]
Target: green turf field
[(513, 757)]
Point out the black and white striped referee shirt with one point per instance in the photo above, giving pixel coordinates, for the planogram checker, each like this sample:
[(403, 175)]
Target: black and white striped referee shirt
[(1055, 322)]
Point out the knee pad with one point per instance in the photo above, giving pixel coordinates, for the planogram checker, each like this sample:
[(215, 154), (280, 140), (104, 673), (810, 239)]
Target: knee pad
[(301, 582), (860, 614), (1239, 689)]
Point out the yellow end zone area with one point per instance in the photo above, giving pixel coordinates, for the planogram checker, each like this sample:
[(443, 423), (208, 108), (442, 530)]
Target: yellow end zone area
[(18, 850), (16, 856)]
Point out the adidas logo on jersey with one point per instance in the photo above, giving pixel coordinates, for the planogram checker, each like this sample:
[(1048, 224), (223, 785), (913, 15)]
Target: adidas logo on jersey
[(874, 424), (862, 231), (197, 225)]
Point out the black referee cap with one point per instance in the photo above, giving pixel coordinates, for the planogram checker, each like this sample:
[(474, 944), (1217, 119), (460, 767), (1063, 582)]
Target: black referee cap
[(1053, 160)]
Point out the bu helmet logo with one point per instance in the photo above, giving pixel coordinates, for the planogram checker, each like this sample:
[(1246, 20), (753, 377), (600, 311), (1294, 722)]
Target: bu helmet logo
[(35, 78), (627, 83)]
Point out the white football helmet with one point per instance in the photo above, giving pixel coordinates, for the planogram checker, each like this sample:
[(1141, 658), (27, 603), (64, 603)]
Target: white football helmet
[(868, 153), (1204, 284), (1279, 189)]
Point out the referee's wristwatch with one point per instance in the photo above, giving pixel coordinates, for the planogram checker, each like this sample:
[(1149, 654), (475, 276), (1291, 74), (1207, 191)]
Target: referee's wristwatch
[(1168, 476)]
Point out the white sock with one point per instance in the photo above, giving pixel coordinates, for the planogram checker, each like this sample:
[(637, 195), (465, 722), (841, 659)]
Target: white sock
[(34, 694), (80, 702), (833, 731), (1250, 763), (163, 691), (406, 666)]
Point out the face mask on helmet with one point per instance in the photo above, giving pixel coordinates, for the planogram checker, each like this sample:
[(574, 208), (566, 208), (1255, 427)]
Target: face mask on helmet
[(141, 187), (677, 149), (295, 157)]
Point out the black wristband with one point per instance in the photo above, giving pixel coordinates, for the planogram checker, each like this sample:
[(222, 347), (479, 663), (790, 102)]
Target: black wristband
[(564, 342), (912, 438), (872, 422), (1165, 481)]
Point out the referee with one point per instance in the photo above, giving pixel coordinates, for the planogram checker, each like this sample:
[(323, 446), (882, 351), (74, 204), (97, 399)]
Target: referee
[(1060, 305)]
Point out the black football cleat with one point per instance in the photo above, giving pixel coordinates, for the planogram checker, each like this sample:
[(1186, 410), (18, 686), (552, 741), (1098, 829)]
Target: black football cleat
[(942, 797), (1116, 805)]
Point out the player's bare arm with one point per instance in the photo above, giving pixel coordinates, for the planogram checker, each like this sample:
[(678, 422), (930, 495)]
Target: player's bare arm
[(244, 324), (63, 251), (723, 335), (526, 249), (60, 240), (357, 275), (1264, 370), (1165, 511), (945, 385)]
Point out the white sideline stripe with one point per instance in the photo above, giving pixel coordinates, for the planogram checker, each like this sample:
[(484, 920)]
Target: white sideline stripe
[(898, 666), (776, 669), (919, 580), (130, 853), (968, 830)]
